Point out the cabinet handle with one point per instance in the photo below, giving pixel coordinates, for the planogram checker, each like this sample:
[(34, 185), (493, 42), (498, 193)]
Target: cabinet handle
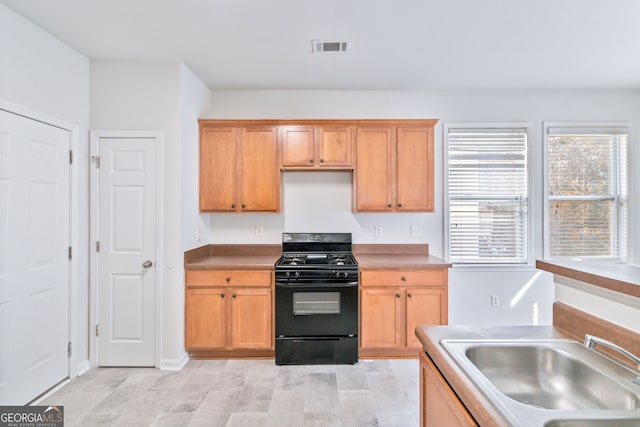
[(397, 295), (222, 295), (409, 295), (228, 279), (233, 205), (404, 279)]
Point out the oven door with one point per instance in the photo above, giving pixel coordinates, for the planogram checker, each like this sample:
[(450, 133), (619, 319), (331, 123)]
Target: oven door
[(316, 309)]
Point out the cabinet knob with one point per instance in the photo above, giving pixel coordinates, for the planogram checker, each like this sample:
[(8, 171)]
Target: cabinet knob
[(310, 160), (399, 205), (389, 205), (233, 205), (222, 295), (409, 295), (397, 295), (404, 279), (233, 295), (228, 279), (321, 160), (243, 206)]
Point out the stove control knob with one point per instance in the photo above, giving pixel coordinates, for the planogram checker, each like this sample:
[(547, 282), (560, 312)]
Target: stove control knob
[(287, 274), (342, 274), (297, 274)]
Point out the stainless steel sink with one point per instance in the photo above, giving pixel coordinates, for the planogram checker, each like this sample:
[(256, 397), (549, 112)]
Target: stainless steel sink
[(615, 422), (549, 378), (549, 382)]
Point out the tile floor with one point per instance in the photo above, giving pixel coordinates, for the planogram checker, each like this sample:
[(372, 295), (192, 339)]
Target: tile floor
[(253, 393)]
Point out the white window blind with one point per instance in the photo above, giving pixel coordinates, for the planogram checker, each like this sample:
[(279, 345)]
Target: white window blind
[(487, 192), (586, 193)]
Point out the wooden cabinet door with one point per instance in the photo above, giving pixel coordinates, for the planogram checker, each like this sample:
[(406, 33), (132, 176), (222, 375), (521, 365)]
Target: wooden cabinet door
[(373, 170), (251, 318), (334, 146), (206, 318), (439, 406), (298, 146), (381, 318), (414, 169), (218, 169), (260, 178), (424, 307)]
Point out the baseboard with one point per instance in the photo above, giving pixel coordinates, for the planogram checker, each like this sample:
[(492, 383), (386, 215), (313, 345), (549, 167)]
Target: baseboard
[(82, 367), (174, 364)]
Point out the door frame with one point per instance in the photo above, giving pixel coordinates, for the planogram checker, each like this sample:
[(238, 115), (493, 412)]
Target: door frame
[(75, 364), (95, 136)]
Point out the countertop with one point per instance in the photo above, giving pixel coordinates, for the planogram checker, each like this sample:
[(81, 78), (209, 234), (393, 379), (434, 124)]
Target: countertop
[(621, 278), (478, 406), (225, 257), (400, 257), (397, 257)]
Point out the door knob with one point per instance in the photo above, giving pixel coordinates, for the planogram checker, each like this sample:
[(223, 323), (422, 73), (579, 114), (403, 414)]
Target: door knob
[(147, 264)]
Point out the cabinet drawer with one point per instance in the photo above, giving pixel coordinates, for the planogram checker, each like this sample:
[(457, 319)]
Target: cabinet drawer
[(403, 277), (228, 278)]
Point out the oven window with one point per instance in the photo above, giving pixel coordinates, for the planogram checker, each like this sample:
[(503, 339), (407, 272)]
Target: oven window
[(305, 303)]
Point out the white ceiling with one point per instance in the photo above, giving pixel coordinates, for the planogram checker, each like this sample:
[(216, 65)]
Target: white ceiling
[(394, 44)]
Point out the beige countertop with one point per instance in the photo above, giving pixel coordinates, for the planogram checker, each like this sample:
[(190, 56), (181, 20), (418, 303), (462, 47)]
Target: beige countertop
[(478, 406), (225, 257), (406, 257)]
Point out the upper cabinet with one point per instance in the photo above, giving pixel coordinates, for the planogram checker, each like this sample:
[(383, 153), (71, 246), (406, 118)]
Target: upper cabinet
[(394, 168), (239, 169), (241, 161), (316, 147)]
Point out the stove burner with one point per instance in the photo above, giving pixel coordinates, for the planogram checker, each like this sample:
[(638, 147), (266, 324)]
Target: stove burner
[(294, 259)]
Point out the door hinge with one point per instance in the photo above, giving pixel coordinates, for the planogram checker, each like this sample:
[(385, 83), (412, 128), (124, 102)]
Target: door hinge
[(97, 160), (98, 246), (70, 157), (69, 349), (70, 252), (97, 329)]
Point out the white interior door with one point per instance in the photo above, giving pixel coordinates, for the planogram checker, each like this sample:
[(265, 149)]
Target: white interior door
[(34, 257), (127, 251)]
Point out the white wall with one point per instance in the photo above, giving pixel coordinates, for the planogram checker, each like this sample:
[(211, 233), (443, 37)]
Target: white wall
[(40, 74), (526, 295), (165, 96)]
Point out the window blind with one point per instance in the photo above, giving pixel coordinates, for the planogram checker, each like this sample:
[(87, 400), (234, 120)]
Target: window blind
[(487, 192), (586, 193)]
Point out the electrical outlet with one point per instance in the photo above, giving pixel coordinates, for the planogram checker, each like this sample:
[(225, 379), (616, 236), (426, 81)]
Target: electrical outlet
[(415, 231), (198, 234), (495, 300), (259, 231), (378, 231)]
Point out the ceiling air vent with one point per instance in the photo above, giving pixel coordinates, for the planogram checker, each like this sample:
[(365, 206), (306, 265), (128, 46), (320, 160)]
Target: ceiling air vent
[(328, 46)]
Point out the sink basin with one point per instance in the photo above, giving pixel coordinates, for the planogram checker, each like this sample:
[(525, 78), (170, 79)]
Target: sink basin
[(549, 378), (616, 422), (550, 383)]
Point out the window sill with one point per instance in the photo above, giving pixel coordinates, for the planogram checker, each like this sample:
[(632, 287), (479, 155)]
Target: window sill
[(621, 278)]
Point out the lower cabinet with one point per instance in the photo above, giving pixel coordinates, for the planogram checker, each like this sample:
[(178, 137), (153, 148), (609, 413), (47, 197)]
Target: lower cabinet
[(439, 405), (231, 317), (393, 303)]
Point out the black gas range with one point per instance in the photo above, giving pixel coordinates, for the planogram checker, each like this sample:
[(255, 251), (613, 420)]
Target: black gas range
[(316, 299)]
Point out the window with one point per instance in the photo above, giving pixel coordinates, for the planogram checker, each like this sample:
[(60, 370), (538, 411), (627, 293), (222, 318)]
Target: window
[(487, 191), (586, 192)]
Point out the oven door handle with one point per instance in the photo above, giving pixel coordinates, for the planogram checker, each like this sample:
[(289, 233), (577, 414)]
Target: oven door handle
[(287, 284)]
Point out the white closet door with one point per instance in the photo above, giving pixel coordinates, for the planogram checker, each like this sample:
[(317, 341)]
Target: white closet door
[(34, 257)]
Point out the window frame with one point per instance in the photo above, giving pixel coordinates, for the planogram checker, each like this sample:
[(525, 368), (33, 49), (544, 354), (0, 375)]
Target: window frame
[(529, 229), (585, 128)]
